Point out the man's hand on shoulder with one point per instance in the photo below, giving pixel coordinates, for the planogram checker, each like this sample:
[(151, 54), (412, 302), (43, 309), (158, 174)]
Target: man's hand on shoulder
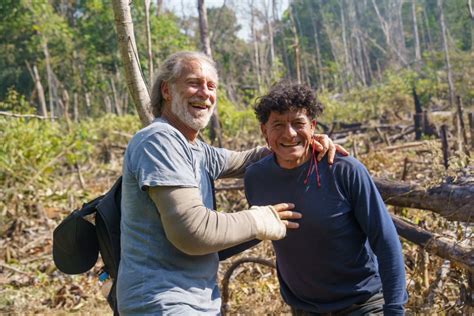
[(324, 145)]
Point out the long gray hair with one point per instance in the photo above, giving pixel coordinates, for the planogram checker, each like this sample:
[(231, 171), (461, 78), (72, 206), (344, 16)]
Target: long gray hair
[(170, 70)]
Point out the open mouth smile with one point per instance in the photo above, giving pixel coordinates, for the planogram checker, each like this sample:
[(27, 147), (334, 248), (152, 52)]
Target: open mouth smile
[(289, 145), (200, 105)]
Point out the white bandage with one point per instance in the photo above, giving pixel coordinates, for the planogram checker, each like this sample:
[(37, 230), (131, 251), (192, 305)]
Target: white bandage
[(269, 224)]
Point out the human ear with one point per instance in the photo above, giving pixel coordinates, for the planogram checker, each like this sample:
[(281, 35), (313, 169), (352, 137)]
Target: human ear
[(263, 129), (313, 125), (165, 91)]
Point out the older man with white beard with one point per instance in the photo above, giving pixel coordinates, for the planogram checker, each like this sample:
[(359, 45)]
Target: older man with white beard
[(170, 234)]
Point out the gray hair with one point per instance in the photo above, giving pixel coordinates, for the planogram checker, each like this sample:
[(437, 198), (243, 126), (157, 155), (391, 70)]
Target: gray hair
[(170, 71)]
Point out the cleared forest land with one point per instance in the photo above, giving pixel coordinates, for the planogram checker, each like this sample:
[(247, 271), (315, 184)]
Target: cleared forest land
[(84, 161)]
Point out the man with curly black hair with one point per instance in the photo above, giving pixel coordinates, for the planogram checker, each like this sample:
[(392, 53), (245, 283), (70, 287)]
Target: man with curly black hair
[(345, 258)]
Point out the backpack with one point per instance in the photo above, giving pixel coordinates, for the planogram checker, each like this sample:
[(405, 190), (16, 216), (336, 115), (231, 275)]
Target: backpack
[(77, 241)]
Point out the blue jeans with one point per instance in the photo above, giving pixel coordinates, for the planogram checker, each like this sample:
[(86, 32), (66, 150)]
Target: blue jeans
[(373, 306)]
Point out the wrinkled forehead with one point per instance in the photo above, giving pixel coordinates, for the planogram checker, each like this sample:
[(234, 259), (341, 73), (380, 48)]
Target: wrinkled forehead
[(198, 69)]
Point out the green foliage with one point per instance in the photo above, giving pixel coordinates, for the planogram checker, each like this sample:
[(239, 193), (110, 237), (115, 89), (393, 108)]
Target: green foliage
[(393, 96), (15, 102), (38, 151), (234, 120)]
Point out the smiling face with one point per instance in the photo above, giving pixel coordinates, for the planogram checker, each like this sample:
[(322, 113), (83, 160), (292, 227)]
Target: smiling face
[(192, 97), (289, 136)]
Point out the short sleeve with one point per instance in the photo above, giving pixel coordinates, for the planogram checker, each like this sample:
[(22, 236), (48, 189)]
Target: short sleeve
[(216, 159), (163, 159)]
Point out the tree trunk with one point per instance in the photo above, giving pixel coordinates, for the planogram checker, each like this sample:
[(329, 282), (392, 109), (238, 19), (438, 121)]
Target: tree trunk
[(128, 51), (452, 201), (318, 49), (116, 100), (446, 54), (148, 42), (159, 5), (415, 34), (256, 54), (269, 23), (39, 88), (75, 108), (435, 244), (215, 128), (348, 69), (428, 30), (203, 28), (49, 78), (471, 9), (296, 44)]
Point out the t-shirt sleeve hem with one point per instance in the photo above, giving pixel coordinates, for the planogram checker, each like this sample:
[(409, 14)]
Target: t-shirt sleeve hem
[(146, 184)]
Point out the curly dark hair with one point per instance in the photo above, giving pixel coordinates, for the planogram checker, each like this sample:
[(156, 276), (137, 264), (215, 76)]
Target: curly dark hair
[(287, 96)]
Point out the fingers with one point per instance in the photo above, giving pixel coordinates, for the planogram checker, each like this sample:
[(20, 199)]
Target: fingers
[(326, 146), (283, 210), (289, 215), (283, 207), (341, 150), (291, 225)]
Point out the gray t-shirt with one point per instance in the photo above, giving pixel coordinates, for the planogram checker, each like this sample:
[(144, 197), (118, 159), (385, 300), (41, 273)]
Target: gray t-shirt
[(154, 276)]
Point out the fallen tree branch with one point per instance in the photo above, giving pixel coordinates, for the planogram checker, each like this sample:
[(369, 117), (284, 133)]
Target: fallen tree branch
[(9, 114), (452, 201), (228, 274), (435, 244)]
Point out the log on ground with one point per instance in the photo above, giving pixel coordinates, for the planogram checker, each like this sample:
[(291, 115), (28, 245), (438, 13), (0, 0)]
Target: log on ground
[(452, 201), (435, 244)]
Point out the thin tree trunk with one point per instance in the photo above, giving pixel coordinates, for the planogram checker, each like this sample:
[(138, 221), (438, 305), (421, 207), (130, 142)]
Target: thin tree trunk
[(270, 39), (148, 42), (75, 108), (203, 28), (303, 59), (117, 107), (49, 78), (39, 89), (471, 9), (428, 30), (255, 48), (296, 45), (446, 54), (215, 128), (348, 67), (415, 34), (318, 50), (159, 5), (128, 50), (399, 34), (65, 100)]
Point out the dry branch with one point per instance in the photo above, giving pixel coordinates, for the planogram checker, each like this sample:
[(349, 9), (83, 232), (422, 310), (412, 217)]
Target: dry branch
[(228, 274), (452, 201), (3, 113), (435, 244)]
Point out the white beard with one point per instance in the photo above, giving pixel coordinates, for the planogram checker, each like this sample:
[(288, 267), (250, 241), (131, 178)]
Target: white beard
[(179, 107)]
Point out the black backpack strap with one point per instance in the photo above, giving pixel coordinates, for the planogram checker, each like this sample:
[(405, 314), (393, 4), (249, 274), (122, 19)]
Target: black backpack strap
[(108, 228)]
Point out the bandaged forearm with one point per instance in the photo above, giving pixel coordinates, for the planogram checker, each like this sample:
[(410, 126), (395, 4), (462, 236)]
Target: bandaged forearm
[(238, 161), (197, 230)]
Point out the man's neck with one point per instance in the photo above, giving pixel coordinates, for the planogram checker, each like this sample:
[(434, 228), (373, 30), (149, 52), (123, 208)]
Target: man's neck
[(174, 121)]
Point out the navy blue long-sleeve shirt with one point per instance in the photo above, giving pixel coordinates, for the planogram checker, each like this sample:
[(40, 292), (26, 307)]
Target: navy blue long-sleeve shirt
[(328, 263)]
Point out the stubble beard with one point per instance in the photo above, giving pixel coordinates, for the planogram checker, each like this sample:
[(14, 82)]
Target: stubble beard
[(179, 108)]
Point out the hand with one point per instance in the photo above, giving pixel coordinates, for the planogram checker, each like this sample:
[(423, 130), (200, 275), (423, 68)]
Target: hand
[(324, 145), (283, 210)]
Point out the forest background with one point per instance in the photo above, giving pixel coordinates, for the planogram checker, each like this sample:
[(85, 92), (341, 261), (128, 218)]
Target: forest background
[(66, 116)]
